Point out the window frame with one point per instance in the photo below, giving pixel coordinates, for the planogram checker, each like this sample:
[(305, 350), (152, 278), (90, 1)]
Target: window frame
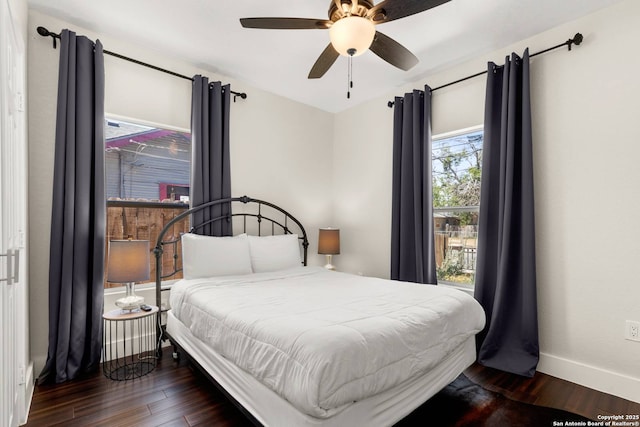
[(143, 122)]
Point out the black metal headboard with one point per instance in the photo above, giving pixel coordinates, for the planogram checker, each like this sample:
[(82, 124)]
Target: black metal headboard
[(282, 222)]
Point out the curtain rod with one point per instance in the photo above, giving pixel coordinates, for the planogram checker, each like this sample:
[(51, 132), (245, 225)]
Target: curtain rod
[(577, 40), (46, 33)]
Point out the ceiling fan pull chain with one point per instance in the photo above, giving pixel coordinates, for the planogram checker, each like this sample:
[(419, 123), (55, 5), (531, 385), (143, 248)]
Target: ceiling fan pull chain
[(351, 52), (349, 82)]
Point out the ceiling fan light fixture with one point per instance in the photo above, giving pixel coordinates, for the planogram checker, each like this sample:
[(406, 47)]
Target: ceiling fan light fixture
[(352, 33)]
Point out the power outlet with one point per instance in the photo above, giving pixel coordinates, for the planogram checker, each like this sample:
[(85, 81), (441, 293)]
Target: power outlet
[(632, 330)]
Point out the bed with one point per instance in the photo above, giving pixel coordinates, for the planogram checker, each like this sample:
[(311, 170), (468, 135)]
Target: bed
[(294, 345)]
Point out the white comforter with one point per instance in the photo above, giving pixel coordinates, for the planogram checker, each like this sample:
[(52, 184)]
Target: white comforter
[(323, 339)]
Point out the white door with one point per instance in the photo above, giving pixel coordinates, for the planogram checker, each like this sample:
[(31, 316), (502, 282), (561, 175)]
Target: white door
[(13, 188)]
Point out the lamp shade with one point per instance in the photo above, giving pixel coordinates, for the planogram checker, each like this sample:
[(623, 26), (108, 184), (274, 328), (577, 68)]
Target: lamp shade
[(128, 261), (329, 241), (352, 32)]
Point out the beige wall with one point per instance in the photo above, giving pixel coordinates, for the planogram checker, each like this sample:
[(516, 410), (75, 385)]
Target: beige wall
[(586, 151), (280, 151)]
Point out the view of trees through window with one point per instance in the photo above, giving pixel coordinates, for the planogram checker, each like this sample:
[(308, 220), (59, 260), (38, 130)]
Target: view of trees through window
[(457, 160)]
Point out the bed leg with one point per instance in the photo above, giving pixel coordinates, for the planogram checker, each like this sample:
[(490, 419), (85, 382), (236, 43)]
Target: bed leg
[(176, 354)]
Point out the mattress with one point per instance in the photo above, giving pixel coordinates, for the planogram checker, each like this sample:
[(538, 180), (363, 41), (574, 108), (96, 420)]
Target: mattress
[(322, 340), (269, 409)]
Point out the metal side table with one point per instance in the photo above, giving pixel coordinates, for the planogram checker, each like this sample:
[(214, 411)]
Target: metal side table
[(129, 347)]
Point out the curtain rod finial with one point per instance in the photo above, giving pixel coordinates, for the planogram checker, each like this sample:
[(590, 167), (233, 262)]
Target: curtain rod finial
[(577, 40), (46, 33)]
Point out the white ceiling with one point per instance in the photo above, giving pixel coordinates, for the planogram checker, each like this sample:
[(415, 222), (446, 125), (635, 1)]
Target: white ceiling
[(208, 34)]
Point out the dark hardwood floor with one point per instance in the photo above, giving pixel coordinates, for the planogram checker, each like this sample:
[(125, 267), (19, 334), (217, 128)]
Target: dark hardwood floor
[(175, 394), (545, 390)]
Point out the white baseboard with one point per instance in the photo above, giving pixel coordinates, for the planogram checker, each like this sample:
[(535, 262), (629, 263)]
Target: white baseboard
[(593, 377)]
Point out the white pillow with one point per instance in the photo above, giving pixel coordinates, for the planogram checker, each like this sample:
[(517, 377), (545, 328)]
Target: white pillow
[(207, 256), (272, 253)]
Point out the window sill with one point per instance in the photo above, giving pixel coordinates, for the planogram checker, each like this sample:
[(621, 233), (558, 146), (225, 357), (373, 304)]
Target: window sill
[(166, 284)]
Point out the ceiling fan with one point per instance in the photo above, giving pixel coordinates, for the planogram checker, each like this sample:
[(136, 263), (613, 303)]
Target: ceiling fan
[(351, 26)]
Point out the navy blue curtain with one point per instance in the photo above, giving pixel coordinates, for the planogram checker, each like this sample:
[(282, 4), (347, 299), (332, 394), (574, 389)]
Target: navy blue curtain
[(210, 160), (505, 282), (76, 265), (412, 230)]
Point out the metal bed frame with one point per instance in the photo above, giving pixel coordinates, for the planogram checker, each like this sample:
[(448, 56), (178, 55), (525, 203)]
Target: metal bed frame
[(281, 223)]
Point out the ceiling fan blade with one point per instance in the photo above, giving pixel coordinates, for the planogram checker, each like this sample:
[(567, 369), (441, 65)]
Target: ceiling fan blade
[(324, 62), (393, 52), (286, 23), (389, 10)]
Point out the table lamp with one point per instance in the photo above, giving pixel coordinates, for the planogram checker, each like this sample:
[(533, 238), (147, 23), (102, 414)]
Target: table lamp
[(128, 263), (329, 244)]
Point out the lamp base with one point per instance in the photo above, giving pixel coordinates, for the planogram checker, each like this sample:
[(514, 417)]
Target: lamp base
[(130, 301), (328, 265)]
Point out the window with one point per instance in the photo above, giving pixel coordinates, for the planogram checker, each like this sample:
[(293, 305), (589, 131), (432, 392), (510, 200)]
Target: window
[(142, 161), (147, 169), (457, 160)]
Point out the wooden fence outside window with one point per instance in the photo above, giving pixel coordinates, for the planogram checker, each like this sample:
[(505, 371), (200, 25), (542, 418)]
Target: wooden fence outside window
[(143, 220)]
